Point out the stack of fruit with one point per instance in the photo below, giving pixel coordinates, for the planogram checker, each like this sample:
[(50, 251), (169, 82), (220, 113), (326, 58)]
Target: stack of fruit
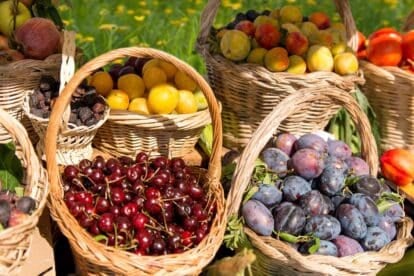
[(146, 206), (87, 107), (23, 36), (148, 86), (320, 199), (283, 40), (388, 47)]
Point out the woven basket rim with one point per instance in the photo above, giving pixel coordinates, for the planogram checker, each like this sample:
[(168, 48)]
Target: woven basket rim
[(367, 65)]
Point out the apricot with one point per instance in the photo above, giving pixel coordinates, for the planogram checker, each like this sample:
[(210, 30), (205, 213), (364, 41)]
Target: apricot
[(319, 58), (290, 27), (296, 43), (291, 14), (246, 27), (256, 56), (275, 14), (264, 19), (308, 28), (339, 48), (267, 36), (297, 65), (320, 19), (345, 64), (235, 45), (4, 43), (276, 59)]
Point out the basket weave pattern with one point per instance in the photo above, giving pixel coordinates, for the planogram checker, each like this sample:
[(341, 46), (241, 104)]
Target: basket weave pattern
[(96, 259), (249, 92), (15, 241), (275, 256)]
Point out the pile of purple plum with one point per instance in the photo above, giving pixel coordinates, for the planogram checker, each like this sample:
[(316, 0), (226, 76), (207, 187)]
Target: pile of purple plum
[(323, 198)]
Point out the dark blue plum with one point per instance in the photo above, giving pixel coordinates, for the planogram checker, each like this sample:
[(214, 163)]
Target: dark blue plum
[(352, 221), (331, 181), (326, 248), (375, 239), (285, 142), (357, 166), (314, 203), (395, 212), (347, 246), (386, 224), (268, 194), (367, 207), (368, 185), (337, 200), (258, 217), (336, 163), (324, 227), (307, 163), (276, 160), (289, 218), (311, 141), (339, 149), (294, 187)]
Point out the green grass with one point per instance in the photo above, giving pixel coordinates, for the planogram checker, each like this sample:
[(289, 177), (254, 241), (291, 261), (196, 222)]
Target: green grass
[(173, 26)]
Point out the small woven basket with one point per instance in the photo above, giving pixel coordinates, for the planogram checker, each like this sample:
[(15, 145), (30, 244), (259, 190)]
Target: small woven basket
[(126, 133), (95, 258), (249, 92), (276, 257), (75, 142), (390, 92), (15, 241), (19, 78)]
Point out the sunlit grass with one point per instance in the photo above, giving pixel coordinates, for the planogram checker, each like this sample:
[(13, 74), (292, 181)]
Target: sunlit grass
[(173, 26)]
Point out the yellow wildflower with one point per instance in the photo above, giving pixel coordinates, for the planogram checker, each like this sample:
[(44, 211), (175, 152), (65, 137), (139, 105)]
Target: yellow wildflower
[(63, 8), (139, 18), (168, 11), (108, 27), (120, 9)]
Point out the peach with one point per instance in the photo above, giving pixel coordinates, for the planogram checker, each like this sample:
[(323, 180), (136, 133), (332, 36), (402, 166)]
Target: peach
[(322, 37), (276, 59), (297, 65), (267, 36), (290, 27), (256, 56), (319, 58), (291, 14), (320, 19), (235, 45), (246, 27), (263, 19), (308, 28), (4, 43), (296, 43), (345, 64)]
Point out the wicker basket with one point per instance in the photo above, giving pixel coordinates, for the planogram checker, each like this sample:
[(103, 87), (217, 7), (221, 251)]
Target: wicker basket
[(95, 258), (126, 133), (249, 92), (390, 92), (15, 241), (75, 142), (277, 257)]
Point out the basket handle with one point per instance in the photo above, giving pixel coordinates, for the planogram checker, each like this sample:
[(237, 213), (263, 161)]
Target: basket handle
[(67, 68), (289, 106), (19, 135), (214, 170), (210, 11), (409, 22)]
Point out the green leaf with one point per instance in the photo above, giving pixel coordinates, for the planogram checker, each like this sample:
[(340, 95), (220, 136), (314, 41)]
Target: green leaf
[(19, 191), (250, 193), (11, 169), (315, 246), (206, 139)]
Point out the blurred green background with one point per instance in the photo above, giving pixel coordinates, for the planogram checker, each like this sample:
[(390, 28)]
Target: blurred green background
[(173, 26)]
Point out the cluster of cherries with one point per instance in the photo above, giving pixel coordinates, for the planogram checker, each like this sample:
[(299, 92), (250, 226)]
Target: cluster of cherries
[(149, 206)]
